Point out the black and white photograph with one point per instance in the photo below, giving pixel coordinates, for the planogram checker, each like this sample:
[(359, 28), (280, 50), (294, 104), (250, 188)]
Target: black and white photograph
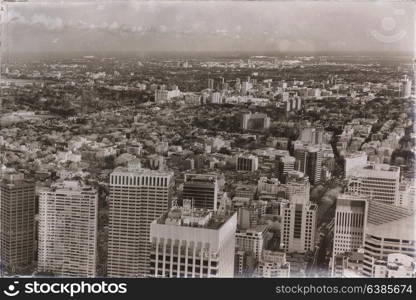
[(207, 139)]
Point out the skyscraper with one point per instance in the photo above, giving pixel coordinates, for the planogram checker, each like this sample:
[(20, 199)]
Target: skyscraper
[(390, 229), (17, 220), (298, 187), (68, 214), (379, 181), (251, 240), (189, 242), (405, 87), (202, 190), (309, 161), (352, 161), (255, 122), (297, 231), (137, 197), (314, 164), (247, 163), (210, 83), (350, 222), (285, 164)]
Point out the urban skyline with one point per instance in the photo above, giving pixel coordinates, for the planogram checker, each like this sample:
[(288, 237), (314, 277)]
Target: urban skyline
[(184, 139)]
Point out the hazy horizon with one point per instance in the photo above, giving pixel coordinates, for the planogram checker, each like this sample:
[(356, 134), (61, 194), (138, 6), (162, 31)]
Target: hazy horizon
[(210, 26)]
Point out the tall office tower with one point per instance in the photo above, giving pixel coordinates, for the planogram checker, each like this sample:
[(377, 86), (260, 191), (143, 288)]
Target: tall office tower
[(309, 161), (247, 162), (379, 181), (273, 264), (17, 221), (284, 166), (298, 187), (210, 83), (202, 190), (390, 229), (349, 224), (68, 214), (241, 263), (294, 104), (161, 96), (405, 87), (314, 164), (216, 98), (189, 242), (407, 194), (251, 240), (137, 197), (249, 214), (237, 85), (268, 185), (306, 135), (298, 215), (301, 158), (312, 135), (246, 86), (256, 122), (352, 161)]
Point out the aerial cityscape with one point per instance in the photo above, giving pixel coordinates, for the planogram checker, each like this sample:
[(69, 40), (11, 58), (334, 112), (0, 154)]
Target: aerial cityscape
[(193, 155)]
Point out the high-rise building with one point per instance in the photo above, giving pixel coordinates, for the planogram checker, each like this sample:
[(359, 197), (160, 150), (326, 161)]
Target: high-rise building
[(294, 104), (216, 98), (68, 214), (137, 197), (312, 135), (272, 264), (256, 122), (247, 163), (390, 229), (162, 95), (297, 231), (407, 194), (17, 222), (309, 161), (379, 181), (350, 222), (189, 242), (251, 240), (202, 190), (210, 83), (298, 187), (285, 164), (352, 161), (405, 87), (268, 185), (314, 164), (246, 86), (237, 85)]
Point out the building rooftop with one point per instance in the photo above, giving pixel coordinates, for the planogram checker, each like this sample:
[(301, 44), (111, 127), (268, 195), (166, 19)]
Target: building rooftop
[(193, 217), (381, 167), (134, 168), (393, 227), (381, 213)]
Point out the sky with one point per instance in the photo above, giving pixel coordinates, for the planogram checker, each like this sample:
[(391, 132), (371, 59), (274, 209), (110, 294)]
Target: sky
[(65, 26)]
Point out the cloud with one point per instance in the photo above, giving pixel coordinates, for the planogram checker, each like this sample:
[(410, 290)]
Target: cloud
[(219, 25), (47, 21)]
